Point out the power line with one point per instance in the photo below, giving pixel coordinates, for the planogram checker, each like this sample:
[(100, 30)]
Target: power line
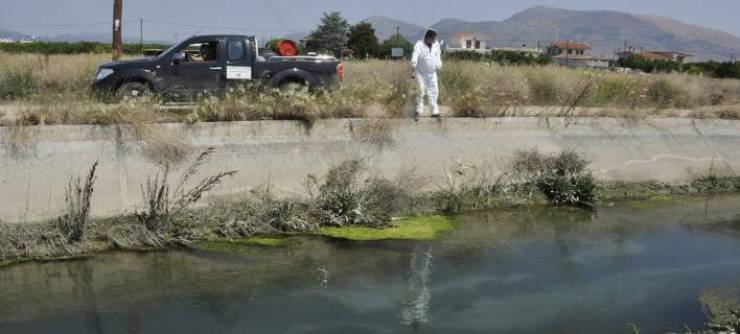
[(190, 25), (168, 23), (62, 25)]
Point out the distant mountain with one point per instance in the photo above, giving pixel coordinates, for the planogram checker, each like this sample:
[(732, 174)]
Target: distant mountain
[(604, 31), (447, 24), (386, 27), (90, 37)]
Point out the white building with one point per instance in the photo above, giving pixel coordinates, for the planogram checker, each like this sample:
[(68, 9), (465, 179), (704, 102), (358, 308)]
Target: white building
[(468, 42), (575, 54)]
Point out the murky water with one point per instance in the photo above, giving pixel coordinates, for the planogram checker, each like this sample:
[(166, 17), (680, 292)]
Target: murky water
[(509, 271)]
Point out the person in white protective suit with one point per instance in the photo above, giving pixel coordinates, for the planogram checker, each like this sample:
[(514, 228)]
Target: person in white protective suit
[(426, 61)]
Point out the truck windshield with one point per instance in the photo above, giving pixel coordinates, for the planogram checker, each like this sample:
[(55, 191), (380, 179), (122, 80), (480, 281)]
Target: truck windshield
[(165, 52)]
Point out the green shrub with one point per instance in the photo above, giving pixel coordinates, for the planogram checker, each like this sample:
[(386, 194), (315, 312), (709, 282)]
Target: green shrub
[(544, 88), (462, 91), (500, 57), (563, 179), (468, 186), (663, 93), (457, 79), (346, 198), (567, 189), (618, 91), (17, 83)]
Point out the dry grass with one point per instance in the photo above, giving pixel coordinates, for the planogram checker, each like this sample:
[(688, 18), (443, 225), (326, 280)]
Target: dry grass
[(165, 204), (55, 90), (63, 237), (74, 222), (58, 75)]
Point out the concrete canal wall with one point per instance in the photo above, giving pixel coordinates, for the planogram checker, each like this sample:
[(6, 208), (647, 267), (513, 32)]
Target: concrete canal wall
[(36, 163)]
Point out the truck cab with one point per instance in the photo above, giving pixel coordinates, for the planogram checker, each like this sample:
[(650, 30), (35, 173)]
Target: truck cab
[(210, 64)]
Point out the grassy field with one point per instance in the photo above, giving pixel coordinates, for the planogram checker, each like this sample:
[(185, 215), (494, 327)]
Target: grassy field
[(38, 89)]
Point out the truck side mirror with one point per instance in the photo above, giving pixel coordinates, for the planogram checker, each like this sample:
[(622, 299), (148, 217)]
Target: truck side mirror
[(180, 56)]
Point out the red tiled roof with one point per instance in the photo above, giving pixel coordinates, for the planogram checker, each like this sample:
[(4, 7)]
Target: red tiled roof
[(570, 45), (653, 56)]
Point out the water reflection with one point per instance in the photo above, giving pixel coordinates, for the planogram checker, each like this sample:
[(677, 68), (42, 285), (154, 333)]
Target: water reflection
[(523, 271), (415, 309), (323, 277), (81, 275)]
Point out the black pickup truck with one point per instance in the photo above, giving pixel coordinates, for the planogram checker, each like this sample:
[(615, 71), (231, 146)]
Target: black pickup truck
[(211, 64)]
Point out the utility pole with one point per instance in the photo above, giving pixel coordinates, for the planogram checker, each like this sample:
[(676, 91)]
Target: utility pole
[(398, 35), (117, 14), (626, 48), (141, 36)]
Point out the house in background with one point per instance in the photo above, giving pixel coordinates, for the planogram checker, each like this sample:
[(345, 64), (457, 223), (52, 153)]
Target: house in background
[(5, 39), (524, 49), (567, 48), (23, 40), (28, 39), (468, 42), (575, 54)]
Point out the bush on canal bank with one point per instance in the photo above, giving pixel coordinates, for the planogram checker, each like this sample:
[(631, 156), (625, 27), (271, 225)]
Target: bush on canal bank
[(347, 202), (563, 178)]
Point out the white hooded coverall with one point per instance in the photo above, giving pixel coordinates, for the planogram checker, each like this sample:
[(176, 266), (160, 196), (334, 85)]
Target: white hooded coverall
[(426, 62)]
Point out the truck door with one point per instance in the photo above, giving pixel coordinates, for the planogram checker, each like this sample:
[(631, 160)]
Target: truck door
[(238, 62), (197, 67)]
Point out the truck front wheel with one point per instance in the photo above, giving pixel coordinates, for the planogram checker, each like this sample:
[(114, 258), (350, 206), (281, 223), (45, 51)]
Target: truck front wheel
[(133, 90)]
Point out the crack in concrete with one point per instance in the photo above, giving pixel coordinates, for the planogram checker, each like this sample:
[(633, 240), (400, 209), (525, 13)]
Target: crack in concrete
[(669, 156)]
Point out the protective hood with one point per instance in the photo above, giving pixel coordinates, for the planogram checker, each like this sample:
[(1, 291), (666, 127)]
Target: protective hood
[(430, 32)]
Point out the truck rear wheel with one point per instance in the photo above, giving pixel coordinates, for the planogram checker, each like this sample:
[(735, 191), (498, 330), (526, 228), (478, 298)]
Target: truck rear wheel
[(293, 87), (133, 90)]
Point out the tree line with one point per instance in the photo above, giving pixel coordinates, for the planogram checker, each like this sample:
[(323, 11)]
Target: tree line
[(504, 57), (53, 48), (722, 70), (335, 34)]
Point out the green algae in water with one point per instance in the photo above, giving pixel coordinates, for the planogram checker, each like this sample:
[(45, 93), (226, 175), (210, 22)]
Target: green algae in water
[(240, 245), (416, 228), (651, 203), (661, 201), (264, 241), (720, 302)]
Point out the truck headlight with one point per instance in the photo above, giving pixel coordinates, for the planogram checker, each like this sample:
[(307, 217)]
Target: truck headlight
[(103, 73)]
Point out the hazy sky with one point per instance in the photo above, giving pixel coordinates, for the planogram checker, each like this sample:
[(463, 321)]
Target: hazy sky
[(267, 17)]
